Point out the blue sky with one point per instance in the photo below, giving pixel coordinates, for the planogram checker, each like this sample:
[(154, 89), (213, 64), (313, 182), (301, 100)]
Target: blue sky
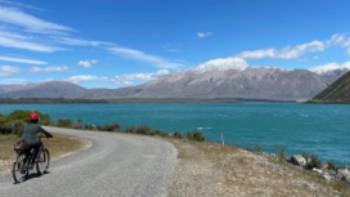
[(105, 43)]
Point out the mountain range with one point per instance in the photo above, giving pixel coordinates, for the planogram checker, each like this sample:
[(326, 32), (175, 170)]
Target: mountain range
[(338, 92), (248, 84)]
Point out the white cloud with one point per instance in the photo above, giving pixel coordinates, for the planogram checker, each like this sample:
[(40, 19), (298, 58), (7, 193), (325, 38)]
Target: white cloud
[(81, 78), (8, 70), (35, 32), (129, 79), (22, 60), (37, 69), (17, 4), (134, 78), (81, 42), (204, 34), (14, 16), (239, 62), (124, 79), (330, 67), (11, 34), (141, 56), (87, 63), (340, 40), (223, 64), (285, 53), (18, 43)]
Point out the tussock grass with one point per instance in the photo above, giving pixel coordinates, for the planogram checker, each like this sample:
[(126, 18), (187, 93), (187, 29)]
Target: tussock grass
[(58, 146), (209, 169)]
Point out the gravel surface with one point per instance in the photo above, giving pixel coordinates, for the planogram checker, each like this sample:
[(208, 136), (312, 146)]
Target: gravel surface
[(115, 165)]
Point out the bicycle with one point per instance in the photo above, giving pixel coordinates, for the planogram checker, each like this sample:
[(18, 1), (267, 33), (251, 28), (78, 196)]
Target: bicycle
[(23, 164)]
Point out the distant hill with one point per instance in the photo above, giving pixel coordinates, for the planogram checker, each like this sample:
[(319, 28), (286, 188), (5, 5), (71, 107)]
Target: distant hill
[(252, 84), (249, 84), (338, 92), (52, 89)]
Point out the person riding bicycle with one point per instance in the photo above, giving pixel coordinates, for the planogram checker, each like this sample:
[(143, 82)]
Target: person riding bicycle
[(30, 137)]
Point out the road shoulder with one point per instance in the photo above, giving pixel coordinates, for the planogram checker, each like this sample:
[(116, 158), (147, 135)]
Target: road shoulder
[(208, 169)]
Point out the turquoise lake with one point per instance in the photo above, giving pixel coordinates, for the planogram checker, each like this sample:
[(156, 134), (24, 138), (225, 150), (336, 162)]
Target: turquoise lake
[(318, 129)]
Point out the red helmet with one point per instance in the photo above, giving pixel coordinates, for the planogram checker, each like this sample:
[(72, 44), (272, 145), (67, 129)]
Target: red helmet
[(34, 116)]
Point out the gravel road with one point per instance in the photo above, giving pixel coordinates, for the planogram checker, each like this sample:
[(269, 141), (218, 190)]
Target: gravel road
[(115, 165)]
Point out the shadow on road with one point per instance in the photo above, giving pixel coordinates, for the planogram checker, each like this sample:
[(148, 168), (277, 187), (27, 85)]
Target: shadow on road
[(32, 176)]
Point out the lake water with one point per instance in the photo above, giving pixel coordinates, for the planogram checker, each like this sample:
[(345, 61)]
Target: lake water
[(318, 129)]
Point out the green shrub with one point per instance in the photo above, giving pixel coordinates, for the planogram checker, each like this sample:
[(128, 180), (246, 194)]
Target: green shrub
[(6, 128), (2, 119), (258, 148), (331, 165), (145, 130), (19, 115), (157, 132), (90, 127), (109, 127), (281, 156), (18, 127), (130, 130), (195, 136), (178, 135), (77, 124), (64, 123), (162, 134), (23, 116), (313, 162), (15, 121)]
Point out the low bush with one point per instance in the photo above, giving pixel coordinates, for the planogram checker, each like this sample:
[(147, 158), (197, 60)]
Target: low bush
[(15, 121), (313, 162), (91, 127), (195, 136), (109, 127), (281, 155), (330, 165), (178, 135), (258, 148), (6, 128), (23, 116), (64, 123), (143, 130)]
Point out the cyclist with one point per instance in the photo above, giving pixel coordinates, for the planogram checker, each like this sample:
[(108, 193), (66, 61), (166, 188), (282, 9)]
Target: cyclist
[(30, 139)]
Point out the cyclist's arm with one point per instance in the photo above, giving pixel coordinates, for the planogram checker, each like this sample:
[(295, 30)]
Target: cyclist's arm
[(47, 134)]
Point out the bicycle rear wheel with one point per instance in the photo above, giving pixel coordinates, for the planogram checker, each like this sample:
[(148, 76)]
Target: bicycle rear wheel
[(43, 161), (20, 170)]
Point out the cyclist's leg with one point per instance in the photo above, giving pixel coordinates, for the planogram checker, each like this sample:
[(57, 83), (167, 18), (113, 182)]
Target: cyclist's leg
[(25, 149), (36, 147)]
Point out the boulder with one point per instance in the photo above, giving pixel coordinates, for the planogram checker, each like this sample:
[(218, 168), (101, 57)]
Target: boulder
[(326, 174), (343, 174), (298, 160), (319, 171)]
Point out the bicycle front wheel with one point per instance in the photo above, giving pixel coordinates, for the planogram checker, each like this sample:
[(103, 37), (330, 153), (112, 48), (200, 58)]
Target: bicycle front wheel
[(43, 161), (20, 170)]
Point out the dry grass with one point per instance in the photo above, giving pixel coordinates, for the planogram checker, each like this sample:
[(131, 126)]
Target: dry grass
[(207, 169), (59, 146)]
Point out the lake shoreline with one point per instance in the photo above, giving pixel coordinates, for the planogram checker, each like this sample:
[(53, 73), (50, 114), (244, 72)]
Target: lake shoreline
[(134, 100), (315, 129)]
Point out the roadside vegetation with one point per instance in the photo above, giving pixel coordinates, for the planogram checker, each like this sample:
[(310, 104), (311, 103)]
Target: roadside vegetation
[(11, 128), (59, 145), (13, 124), (141, 129), (208, 168)]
